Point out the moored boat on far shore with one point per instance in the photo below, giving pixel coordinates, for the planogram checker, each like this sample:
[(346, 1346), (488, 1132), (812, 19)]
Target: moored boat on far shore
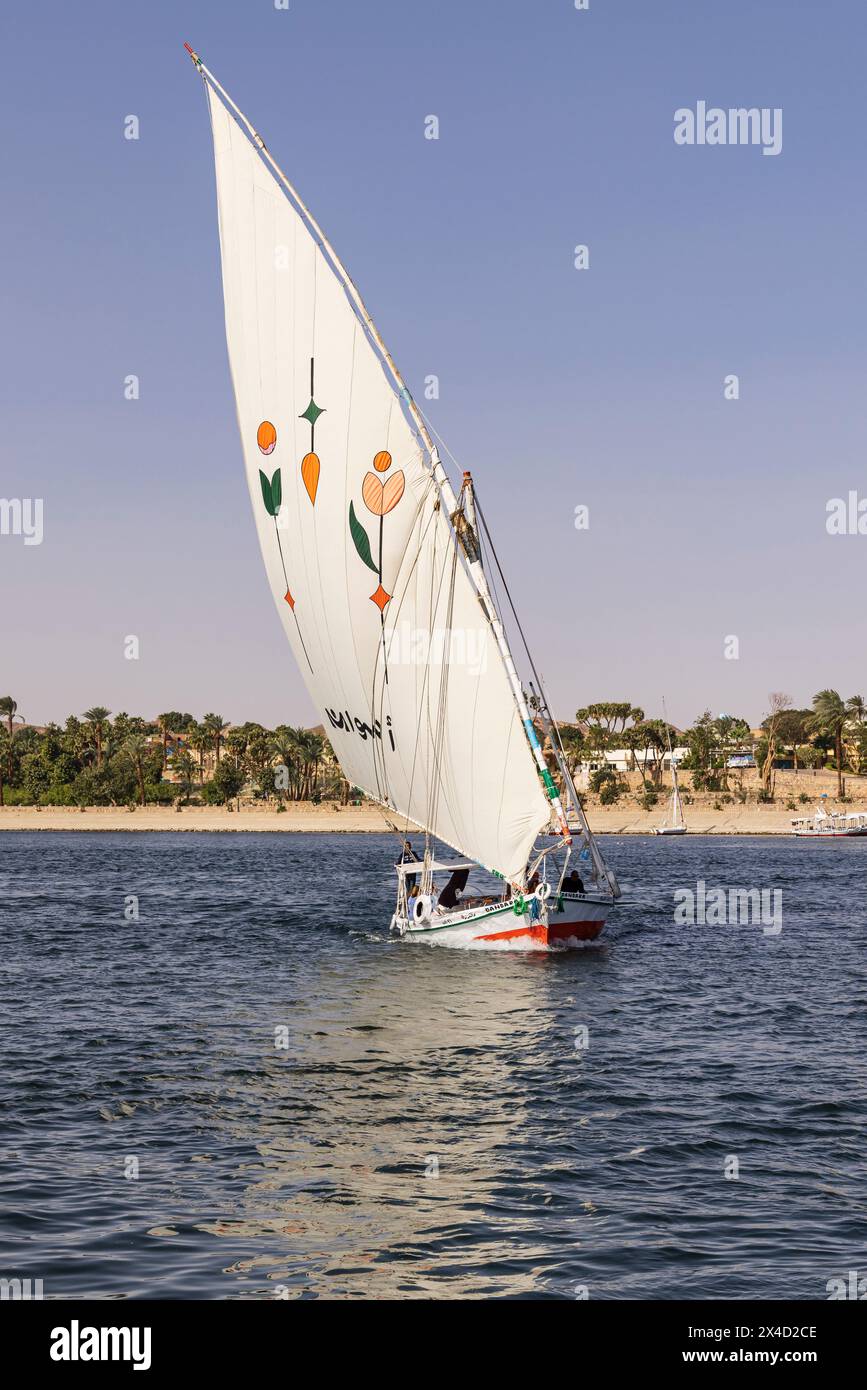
[(824, 825)]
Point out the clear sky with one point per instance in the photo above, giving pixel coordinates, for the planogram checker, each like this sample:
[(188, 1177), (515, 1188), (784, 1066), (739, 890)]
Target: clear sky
[(558, 387)]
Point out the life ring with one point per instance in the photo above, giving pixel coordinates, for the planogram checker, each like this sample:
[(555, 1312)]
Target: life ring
[(519, 907), (543, 892), (421, 908)]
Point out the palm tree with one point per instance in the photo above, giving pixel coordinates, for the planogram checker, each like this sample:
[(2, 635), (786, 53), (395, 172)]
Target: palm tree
[(199, 739), (856, 711), (216, 727), (165, 724), (286, 746), (97, 718), (312, 747), (334, 773), (829, 717), (184, 767), (236, 742), (136, 749), (8, 707)]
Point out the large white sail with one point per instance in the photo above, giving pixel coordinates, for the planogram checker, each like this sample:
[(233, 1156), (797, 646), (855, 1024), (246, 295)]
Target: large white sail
[(385, 623)]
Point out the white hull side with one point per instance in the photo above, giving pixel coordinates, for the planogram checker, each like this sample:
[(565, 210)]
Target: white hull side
[(497, 927)]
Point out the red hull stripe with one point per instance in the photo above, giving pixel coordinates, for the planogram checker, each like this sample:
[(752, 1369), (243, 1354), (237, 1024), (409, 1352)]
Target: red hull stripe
[(556, 931)]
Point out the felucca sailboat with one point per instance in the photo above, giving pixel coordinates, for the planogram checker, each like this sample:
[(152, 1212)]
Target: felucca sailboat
[(676, 823), (380, 572)]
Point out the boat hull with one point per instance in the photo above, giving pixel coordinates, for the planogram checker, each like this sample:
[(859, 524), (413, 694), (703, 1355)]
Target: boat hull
[(497, 927), (670, 830), (830, 834)]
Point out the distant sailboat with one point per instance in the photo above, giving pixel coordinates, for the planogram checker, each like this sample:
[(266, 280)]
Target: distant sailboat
[(675, 824), (378, 572)]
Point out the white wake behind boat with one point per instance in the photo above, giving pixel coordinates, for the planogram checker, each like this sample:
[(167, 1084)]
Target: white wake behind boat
[(379, 572)]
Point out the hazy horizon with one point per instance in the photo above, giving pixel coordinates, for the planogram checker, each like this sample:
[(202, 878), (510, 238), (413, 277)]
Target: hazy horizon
[(559, 387)]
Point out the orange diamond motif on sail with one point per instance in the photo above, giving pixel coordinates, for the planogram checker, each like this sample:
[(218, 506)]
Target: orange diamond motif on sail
[(380, 598), (290, 600)]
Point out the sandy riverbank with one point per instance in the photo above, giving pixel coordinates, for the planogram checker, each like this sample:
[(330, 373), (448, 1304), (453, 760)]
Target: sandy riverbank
[(741, 820), (299, 816), (304, 817)]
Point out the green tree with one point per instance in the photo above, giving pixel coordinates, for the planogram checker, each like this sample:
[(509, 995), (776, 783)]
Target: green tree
[(8, 710), (606, 720), (650, 738), (199, 739), (97, 719), (184, 767), (830, 716), (288, 746), (574, 746), (855, 743), (792, 731), (166, 725), (215, 726), (227, 782), (136, 749)]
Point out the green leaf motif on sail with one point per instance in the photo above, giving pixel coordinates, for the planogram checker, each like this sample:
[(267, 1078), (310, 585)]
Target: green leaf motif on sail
[(267, 494), (359, 536), (276, 491)]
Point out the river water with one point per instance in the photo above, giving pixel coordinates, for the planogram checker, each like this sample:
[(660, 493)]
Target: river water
[(224, 1079)]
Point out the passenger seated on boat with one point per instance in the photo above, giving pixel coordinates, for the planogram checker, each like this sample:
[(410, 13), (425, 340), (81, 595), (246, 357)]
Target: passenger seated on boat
[(453, 889), (572, 883)]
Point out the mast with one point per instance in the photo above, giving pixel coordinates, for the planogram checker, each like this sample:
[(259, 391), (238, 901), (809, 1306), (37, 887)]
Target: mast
[(461, 514), (549, 723), (676, 811)]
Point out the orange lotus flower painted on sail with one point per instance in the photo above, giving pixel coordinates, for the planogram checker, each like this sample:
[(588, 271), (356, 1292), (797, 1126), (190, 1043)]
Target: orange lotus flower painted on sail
[(381, 498), (266, 437)]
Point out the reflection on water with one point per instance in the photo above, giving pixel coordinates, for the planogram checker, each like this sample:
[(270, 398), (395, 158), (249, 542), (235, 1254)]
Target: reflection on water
[(317, 1109), (399, 1131)]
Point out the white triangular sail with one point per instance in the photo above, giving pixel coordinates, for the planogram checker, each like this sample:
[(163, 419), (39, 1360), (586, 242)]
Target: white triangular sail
[(677, 817), (399, 658)]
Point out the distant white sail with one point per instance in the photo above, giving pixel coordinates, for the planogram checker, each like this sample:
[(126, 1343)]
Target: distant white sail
[(383, 619)]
